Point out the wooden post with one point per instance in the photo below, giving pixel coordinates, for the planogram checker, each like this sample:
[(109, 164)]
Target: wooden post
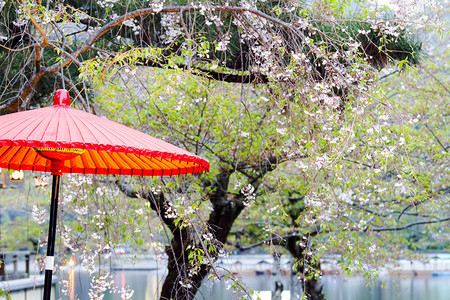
[(4, 180), (27, 264), (49, 261), (2, 265), (16, 269)]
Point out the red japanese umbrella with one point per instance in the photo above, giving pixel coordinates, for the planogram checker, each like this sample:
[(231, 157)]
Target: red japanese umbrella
[(61, 139)]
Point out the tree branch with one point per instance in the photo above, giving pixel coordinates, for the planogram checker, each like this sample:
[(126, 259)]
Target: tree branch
[(157, 202), (378, 229), (438, 81), (276, 240), (226, 77), (403, 211), (73, 87), (22, 99), (436, 138)]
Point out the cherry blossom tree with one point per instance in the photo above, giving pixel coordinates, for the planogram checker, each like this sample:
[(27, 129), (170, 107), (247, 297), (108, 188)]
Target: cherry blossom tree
[(46, 43), (283, 98)]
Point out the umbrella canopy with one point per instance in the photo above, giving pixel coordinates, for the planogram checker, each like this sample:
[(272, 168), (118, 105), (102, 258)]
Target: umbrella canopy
[(61, 139), (85, 143)]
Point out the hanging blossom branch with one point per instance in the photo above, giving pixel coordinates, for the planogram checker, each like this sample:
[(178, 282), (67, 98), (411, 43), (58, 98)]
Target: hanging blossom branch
[(378, 229), (275, 240), (431, 195), (281, 240), (156, 199), (23, 97), (436, 138), (278, 240), (226, 77)]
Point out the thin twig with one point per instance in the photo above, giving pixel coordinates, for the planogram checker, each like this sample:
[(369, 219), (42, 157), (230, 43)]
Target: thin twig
[(443, 147), (438, 81), (378, 229)]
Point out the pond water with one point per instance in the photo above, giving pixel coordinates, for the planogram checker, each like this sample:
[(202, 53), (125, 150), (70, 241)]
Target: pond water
[(398, 288), (147, 285)]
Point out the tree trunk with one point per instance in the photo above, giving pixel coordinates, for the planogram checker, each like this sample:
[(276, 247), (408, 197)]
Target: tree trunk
[(183, 279), (312, 287), (296, 284), (175, 285), (181, 282)]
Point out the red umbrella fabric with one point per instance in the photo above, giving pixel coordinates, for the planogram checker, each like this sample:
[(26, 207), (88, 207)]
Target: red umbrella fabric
[(107, 147), (61, 139)]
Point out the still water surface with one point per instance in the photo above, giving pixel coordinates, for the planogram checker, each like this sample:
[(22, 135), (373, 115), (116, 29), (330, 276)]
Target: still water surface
[(147, 284)]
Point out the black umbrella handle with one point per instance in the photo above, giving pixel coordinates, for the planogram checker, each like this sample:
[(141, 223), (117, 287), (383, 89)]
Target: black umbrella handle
[(49, 260)]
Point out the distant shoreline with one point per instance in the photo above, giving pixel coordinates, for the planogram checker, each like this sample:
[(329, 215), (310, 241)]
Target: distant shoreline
[(438, 265)]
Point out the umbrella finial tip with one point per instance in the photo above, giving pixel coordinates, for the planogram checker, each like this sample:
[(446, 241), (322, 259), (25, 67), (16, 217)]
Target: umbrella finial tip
[(61, 98)]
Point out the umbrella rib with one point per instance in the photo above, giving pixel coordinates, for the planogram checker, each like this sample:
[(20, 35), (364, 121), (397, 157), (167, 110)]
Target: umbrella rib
[(98, 157), (3, 150), (27, 149), (135, 167), (29, 120), (140, 162), (153, 165), (122, 163), (46, 124), (13, 123), (76, 124), (64, 122), (106, 157), (182, 166), (103, 128), (136, 145), (11, 153), (45, 161), (161, 164), (123, 137), (121, 132)]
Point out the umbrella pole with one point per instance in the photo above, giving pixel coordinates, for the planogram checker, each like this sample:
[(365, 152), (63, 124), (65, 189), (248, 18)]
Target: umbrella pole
[(49, 261)]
